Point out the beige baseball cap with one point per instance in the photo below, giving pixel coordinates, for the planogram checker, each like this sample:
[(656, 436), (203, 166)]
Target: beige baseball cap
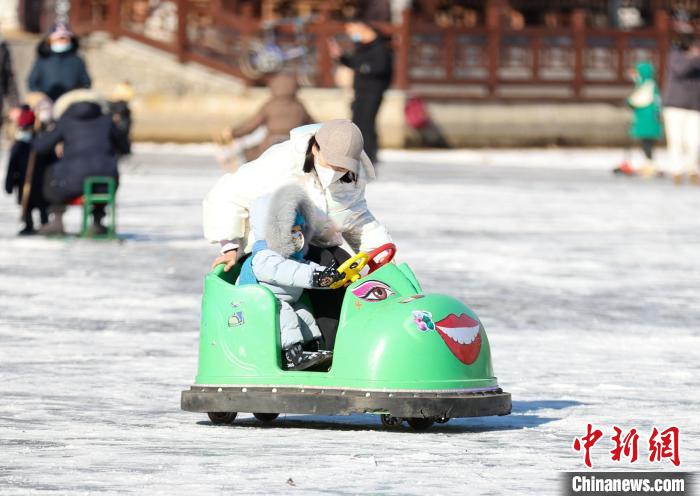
[(341, 144)]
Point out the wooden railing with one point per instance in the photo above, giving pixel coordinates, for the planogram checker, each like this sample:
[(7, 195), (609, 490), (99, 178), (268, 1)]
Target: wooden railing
[(571, 63), (575, 60)]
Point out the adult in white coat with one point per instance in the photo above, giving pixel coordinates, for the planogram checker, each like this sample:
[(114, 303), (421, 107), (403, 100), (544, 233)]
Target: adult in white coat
[(328, 161)]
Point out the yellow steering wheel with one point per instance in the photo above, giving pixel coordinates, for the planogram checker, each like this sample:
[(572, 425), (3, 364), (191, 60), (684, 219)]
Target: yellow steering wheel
[(351, 268)]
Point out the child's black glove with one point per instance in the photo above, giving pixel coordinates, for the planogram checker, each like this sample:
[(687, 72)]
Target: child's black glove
[(326, 277)]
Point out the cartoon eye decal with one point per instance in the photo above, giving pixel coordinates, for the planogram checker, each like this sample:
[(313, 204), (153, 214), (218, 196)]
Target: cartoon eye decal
[(373, 291)]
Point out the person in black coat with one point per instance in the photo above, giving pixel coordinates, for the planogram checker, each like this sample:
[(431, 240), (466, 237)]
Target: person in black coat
[(373, 63), (90, 143), (17, 168), (58, 68), (8, 86)]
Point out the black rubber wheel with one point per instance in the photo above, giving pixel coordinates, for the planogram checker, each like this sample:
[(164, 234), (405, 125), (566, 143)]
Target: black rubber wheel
[(420, 424), (222, 417), (266, 417), (389, 421)]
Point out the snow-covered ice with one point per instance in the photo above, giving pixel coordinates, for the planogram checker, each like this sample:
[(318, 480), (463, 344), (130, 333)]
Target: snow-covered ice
[(588, 286)]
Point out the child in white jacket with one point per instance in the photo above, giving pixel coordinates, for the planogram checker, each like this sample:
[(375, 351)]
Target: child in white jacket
[(281, 223)]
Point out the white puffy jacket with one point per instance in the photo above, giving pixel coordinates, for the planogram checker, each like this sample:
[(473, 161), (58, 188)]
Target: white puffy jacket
[(226, 206)]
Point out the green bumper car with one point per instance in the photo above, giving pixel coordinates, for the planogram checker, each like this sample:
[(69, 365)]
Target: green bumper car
[(399, 353)]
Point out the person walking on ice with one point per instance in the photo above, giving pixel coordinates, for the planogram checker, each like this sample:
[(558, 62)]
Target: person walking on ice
[(682, 109), (645, 102), (373, 64), (58, 67)]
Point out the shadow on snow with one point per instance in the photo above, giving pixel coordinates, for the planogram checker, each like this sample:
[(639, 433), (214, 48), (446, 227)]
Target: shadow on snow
[(524, 416)]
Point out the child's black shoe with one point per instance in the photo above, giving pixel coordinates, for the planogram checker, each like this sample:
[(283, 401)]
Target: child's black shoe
[(295, 358), (314, 345), (292, 356), (27, 231)]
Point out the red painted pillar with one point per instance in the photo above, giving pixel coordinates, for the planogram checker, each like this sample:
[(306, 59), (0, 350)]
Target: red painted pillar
[(662, 24), (181, 34), (494, 9), (578, 27), (404, 48), (325, 65)]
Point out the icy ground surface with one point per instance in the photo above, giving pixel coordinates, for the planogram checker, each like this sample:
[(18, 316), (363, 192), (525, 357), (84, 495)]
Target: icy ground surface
[(588, 286)]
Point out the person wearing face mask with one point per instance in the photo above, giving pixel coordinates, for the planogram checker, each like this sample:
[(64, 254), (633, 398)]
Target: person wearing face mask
[(90, 143), (372, 62), (58, 68), (17, 169), (327, 160)]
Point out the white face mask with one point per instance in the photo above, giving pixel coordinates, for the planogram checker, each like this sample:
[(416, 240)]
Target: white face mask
[(326, 175), (23, 135), (61, 46), (298, 240)]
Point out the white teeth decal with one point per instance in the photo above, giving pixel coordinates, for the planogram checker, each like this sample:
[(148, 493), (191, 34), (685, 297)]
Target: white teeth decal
[(462, 335)]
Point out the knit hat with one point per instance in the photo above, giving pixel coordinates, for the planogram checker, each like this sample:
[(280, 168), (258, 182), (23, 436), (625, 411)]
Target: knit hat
[(340, 143), (26, 117), (60, 30)]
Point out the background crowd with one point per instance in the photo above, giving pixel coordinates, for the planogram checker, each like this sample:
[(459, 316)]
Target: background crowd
[(63, 132)]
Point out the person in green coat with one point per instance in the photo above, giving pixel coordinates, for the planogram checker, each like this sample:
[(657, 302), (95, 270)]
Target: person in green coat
[(645, 102)]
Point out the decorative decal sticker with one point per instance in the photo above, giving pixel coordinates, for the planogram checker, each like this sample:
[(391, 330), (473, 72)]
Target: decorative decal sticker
[(461, 335), (423, 320), (236, 319), (373, 291), (412, 298)]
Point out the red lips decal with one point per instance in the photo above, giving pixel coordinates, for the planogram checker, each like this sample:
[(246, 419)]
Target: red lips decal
[(461, 335)]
